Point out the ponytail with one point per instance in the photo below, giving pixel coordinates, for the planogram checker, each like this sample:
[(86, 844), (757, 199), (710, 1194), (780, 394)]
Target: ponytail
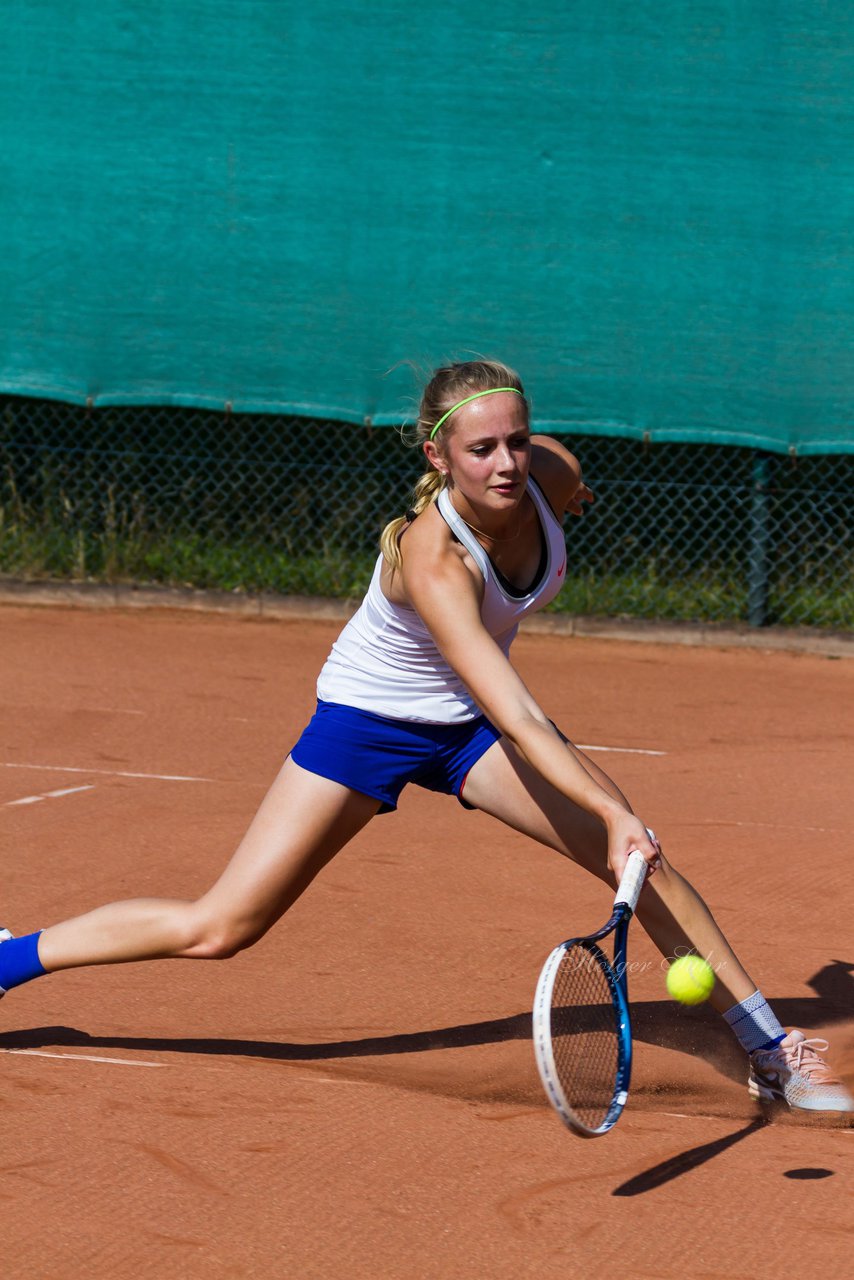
[(425, 493)]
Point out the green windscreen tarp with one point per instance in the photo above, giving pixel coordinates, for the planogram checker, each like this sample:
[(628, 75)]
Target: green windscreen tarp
[(646, 207)]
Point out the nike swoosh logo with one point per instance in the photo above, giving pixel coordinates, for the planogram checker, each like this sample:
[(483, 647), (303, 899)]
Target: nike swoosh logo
[(561, 569)]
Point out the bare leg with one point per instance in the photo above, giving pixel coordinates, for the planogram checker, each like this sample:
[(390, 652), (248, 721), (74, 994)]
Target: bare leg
[(671, 911), (302, 823)]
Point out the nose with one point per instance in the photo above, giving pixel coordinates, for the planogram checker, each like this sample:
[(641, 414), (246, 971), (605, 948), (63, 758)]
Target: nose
[(505, 460)]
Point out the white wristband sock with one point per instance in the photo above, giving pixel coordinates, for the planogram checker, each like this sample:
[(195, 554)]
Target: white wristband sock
[(754, 1023)]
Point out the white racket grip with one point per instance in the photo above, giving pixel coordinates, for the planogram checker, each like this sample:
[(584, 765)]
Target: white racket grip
[(632, 881)]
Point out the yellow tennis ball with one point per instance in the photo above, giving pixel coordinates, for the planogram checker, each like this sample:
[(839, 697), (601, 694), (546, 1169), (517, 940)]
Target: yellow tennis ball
[(690, 980)]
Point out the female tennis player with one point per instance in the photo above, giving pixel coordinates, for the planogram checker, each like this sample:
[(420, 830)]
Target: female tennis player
[(419, 688)]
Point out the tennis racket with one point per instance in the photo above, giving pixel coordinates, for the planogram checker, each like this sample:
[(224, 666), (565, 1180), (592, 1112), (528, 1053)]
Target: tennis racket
[(582, 1029)]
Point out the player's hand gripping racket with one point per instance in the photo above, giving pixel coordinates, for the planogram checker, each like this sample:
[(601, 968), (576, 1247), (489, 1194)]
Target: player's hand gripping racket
[(582, 1031)]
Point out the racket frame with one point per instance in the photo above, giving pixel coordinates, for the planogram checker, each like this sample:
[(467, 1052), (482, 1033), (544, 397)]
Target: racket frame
[(616, 977)]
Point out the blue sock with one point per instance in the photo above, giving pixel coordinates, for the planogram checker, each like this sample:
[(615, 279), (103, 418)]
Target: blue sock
[(19, 961), (754, 1023)]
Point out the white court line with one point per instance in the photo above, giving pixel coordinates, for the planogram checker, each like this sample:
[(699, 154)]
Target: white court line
[(107, 773), (681, 1115), (49, 795), (334, 1079), (771, 826), (81, 1057), (627, 751)]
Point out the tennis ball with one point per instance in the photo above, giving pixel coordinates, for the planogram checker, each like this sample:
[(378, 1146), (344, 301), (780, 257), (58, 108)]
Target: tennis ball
[(690, 980)]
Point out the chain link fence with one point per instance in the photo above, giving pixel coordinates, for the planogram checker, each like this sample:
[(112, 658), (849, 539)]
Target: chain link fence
[(253, 503)]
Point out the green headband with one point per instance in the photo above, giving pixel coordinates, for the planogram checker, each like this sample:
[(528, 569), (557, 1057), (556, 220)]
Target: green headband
[(491, 392)]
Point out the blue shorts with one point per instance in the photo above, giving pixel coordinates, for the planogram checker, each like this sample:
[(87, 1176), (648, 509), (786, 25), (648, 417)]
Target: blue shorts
[(378, 756)]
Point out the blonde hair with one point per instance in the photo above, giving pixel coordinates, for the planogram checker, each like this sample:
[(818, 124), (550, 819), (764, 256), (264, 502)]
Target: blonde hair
[(446, 388)]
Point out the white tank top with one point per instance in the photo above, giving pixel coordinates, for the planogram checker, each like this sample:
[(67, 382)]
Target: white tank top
[(386, 661)]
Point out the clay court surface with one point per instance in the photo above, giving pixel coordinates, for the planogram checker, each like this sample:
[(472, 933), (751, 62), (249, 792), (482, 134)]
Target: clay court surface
[(357, 1096)]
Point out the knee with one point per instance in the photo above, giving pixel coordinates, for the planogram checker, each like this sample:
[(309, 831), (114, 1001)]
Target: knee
[(221, 939)]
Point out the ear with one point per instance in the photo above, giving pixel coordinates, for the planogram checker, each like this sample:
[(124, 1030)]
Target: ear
[(434, 456)]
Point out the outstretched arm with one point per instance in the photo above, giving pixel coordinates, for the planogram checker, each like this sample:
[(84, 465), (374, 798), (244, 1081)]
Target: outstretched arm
[(444, 593)]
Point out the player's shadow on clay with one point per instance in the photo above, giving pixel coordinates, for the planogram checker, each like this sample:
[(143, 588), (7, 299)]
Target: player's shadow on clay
[(658, 1022)]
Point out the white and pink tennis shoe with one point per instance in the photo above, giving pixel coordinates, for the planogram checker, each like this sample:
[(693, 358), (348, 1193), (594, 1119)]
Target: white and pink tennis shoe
[(795, 1073)]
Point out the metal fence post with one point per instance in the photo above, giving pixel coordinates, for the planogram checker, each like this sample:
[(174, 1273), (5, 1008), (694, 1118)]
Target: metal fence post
[(758, 562)]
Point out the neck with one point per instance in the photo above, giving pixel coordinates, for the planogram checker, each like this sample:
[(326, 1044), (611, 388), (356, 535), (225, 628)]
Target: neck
[(507, 531)]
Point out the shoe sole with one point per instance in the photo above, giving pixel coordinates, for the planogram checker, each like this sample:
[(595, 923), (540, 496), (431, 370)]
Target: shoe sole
[(764, 1092), (767, 1093)]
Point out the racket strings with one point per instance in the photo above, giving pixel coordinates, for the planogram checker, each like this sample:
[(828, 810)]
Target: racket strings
[(584, 1034)]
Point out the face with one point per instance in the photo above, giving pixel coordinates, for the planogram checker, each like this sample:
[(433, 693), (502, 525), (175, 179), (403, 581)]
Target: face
[(487, 452)]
